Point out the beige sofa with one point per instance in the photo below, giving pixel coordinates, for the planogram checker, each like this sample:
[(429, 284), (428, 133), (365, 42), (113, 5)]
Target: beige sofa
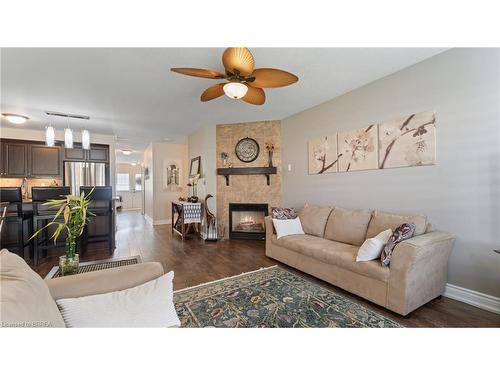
[(28, 301), (417, 272)]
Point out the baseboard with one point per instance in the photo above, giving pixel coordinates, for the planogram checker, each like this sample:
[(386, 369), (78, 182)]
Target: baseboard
[(162, 222), (471, 297), (149, 219)]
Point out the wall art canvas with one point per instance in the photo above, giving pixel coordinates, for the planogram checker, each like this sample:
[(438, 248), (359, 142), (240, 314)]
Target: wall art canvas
[(323, 155), (358, 149), (408, 141)]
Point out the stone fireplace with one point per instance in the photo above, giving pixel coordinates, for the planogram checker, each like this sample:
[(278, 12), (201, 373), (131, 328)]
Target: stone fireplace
[(246, 221), (247, 189)]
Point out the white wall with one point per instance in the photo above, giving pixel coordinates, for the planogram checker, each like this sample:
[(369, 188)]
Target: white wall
[(461, 194), (202, 143), (39, 135)]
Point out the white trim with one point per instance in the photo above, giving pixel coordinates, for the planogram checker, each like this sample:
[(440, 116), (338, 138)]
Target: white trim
[(162, 222), (130, 209), (474, 298), (149, 219)]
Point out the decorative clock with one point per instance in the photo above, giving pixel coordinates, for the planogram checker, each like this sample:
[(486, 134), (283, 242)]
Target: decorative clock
[(247, 150)]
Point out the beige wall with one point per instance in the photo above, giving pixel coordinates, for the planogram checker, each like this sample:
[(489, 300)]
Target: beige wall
[(148, 183), (158, 198), (247, 188), (202, 143), (461, 194), (39, 135)]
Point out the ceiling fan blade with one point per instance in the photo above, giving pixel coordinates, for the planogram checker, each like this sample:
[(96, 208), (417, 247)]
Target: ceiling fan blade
[(212, 92), (203, 73), (255, 96), (269, 77), (238, 60)]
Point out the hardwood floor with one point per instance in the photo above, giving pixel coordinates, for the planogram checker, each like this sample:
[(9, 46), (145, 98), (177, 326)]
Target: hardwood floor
[(195, 261)]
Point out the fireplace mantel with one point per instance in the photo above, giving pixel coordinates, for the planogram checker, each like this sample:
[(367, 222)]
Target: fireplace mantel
[(266, 171)]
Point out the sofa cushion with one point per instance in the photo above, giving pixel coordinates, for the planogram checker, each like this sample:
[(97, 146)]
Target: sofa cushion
[(313, 219), (25, 298), (381, 221), (340, 254), (348, 226)]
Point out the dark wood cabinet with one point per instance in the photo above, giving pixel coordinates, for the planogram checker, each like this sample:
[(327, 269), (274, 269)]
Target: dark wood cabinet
[(98, 153), (77, 153), (45, 161), (20, 158), (15, 159)]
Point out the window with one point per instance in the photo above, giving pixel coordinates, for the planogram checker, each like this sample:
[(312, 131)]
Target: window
[(138, 182), (122, 182)]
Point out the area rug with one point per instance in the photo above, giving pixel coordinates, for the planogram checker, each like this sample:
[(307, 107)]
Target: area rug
[(271, 297)]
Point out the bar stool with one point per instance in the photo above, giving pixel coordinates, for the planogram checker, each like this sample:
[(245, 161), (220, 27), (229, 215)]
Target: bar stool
[(15, 215), (102, 207), (43, 214)]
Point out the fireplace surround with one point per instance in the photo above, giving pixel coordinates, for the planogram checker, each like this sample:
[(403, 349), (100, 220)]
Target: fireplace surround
[(246, 221)]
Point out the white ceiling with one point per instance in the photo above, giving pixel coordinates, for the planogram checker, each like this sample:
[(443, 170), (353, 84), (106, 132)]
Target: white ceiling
[(130, 92)]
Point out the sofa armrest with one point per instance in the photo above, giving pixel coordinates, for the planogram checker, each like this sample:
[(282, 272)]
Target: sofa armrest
[(269, 234), (104, 281), (418, 271)]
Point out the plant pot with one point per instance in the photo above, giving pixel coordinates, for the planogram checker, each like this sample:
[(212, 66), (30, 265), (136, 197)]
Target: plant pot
[(69, 265)]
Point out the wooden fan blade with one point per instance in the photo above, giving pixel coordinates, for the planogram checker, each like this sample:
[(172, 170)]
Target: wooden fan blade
[(212, 92), (269, 77), (202, 73), (255, 96), (238, 60)]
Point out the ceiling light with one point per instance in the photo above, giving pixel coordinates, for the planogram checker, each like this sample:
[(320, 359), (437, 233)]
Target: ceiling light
[(15, 119), (133, 164), (127, 152), (85, 139), (50, 136), (235, 90), (68, 138)]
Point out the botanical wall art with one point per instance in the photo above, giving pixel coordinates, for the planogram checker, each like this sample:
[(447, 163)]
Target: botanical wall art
[(404, 142), (358, 149), (323, 155), (408, 141)]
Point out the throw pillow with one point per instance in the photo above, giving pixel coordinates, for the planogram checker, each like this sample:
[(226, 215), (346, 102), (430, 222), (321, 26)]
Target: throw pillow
[(403, 232), (147, 305), (283, 213), (287, 227), (372, 247)]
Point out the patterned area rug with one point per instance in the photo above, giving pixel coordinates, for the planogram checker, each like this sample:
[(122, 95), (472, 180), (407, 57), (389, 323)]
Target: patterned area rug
[(271, 297)]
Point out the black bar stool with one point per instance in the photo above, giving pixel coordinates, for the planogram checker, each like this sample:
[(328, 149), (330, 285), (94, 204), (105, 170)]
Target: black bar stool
[(15, 216), (43, 214), (102, 207)]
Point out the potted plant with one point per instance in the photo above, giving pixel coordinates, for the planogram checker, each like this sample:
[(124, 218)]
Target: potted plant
[(76, 215), (193, 182)]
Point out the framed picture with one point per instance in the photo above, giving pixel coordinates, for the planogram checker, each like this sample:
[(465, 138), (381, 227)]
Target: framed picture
[(195, 166)]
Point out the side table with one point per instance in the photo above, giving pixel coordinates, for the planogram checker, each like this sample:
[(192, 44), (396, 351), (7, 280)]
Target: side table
[(185, 215)]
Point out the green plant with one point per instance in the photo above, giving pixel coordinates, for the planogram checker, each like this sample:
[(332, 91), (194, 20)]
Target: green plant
[(75, 213)]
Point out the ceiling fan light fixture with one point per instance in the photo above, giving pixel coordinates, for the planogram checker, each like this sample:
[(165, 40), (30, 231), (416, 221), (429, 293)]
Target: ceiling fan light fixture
[(235, 90), (127, 152)]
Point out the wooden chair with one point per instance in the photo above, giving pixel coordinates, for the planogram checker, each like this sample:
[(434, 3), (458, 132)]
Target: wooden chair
[(43, 214), (14, 215), (102, 207)]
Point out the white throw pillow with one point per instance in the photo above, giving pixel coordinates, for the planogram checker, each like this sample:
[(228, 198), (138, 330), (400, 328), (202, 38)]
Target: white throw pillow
[(147, 305), (372, 247), (287, 227)]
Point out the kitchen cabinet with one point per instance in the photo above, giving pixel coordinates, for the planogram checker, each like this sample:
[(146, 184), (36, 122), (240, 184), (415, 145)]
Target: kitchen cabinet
[(97, 153), (15, 159), (44, 161)]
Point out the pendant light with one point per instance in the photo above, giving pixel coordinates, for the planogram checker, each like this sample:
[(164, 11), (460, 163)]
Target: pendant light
[(85, 139), (50, 136)]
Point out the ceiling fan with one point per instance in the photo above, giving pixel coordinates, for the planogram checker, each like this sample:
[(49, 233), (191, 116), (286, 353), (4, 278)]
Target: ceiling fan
[(245, 82)]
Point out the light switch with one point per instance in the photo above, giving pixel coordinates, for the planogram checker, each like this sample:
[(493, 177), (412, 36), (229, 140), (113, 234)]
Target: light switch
[(289, 167)]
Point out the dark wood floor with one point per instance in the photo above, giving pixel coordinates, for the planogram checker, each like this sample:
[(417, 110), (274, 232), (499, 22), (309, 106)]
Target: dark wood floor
[(195, 261)]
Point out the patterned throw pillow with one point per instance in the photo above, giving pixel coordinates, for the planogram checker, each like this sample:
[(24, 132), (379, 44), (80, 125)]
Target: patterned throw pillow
[(282, 213), (401, 233)]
